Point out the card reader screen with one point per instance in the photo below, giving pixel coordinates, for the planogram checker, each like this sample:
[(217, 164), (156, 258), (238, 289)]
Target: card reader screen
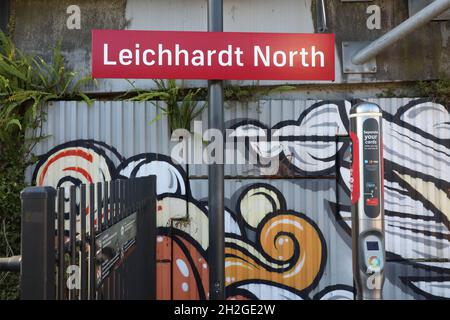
[(371, 167), (372, 245)]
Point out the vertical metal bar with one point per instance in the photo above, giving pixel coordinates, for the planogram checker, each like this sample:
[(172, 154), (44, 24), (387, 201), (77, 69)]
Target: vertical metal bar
[(61, 240), (101, 205), (112, 200), (128, 194), (321, 16), (119, 282), (108, 217), (112, 210), (113, 277), (216, 172), (100, 208), (151, 212), (116, 201), (112, 205), (125, 275), (115, 272), (340, 138), (105, 206), (92, 248), (336, 173), (122, 199), (143, 286), (4, 14), (125, 260), (136, 194), (37, 277), (83, 260), (126, 198), (73, 233), (119, 200), (133, 195), (117, 209), (172, 258)]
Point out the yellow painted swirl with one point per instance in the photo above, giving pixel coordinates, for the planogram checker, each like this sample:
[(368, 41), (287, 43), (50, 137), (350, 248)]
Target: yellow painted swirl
[(290, 253)]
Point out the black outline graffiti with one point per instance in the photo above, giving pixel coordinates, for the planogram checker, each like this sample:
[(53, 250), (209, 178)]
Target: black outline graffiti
[(108, 152)]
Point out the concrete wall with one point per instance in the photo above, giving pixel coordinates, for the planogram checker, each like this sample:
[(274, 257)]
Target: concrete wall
[(423, 55)]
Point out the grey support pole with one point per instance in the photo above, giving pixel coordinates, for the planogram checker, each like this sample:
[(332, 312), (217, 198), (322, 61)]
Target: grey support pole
[(11, 263), (216, 249), (402, 30), (4, 14)]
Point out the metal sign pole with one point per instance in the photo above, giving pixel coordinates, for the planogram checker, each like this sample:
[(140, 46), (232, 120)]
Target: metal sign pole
[(368, 248), (4, 14), (216, 249)]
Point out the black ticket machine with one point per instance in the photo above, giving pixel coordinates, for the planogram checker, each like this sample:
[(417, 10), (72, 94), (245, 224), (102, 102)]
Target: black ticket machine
[(368, 249)]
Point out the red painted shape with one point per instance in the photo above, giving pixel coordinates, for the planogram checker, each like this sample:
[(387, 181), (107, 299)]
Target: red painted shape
[(138, 55), (372, 202), (355, 167), (81, 171), (177, 266), (67, 153)]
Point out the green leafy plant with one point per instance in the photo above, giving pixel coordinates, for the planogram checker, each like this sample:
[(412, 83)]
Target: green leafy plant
[(181, 106), (438, 90), (26, 84), (238, 93), (249, 93)]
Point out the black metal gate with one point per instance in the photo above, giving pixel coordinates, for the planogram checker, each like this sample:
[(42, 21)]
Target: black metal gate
[(95, 243)]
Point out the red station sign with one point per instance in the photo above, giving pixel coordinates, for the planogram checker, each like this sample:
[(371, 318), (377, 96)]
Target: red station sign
[(212, 55)]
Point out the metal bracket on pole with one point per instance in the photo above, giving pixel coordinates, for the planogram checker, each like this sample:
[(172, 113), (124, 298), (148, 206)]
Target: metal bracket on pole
[(352, 57), (349, 49)]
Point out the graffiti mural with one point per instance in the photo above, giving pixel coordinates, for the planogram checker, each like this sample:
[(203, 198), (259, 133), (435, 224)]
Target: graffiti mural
[(278, 245), (417, 177)]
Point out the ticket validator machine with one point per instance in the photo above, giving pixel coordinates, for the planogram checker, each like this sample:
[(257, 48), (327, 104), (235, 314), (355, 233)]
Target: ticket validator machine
[(367, 200)]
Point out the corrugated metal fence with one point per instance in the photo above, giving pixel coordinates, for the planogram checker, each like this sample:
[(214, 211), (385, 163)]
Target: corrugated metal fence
[(267, 256)]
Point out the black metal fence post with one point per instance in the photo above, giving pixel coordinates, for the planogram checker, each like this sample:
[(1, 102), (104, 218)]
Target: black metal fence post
[(150, 210), (92, 233), (112, 258), (146, 237), (61, 235), (37, 279)]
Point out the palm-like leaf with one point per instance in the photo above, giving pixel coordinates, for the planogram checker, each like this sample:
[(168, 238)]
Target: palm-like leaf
[(179, 106), (28, 82)]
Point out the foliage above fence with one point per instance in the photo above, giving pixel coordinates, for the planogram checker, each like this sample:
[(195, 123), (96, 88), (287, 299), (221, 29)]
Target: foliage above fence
[(26, 83), (183, 105), (438, 90)]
